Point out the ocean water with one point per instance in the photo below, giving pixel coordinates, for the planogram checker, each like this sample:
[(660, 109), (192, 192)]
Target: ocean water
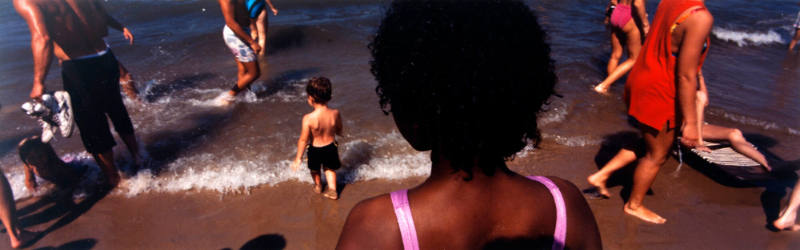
[(181, 64)]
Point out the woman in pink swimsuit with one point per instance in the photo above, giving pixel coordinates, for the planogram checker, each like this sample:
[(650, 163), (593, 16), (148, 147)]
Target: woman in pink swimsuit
[(463, 80), (628, 21)]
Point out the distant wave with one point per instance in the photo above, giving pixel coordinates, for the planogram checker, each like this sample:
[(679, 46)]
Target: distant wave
[(744, 38)]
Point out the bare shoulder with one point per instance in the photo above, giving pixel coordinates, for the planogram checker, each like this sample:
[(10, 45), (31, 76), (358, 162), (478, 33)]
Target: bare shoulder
[(307, 118), (370, 225), (582, 231), (701, 17)]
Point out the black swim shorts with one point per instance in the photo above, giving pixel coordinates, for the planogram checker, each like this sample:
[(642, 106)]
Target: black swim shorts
[(327, 156), (93, 85)]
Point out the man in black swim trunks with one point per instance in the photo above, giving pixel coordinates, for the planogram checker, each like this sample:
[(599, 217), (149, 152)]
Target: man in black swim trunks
[(73, 31)]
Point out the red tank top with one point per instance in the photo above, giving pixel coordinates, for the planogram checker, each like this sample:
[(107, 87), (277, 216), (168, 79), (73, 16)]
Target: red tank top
[(651, 88)]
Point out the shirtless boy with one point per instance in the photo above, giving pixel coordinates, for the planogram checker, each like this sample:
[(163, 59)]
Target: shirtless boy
[(73, 31), (321, 125)]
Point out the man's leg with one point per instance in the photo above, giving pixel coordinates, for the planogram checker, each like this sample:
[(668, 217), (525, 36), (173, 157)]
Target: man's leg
[(658, 145), (106, 162)]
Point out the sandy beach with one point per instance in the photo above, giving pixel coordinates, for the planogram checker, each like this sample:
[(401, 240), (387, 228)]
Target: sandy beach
[(701, 213), (219, 178)]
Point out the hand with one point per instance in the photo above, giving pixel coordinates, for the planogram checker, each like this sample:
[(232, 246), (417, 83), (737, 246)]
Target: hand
[(36, 91), (254, 34), (256, 48), (690, 137), (128, 35), (295, 165), (274, 11)]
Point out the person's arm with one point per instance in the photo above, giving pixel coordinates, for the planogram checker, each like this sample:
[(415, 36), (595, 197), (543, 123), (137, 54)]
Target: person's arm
[(30, 178), (702, 102), (301, 143), (113, 23), (272, 7), (697, 29), (640, 17), (228, 13), (41, 44), (339, 123)]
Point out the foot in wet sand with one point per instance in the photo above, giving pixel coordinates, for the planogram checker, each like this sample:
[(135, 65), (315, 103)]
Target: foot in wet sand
[(786, 222), (318, 189), (645, 214), (24, 238), (600, 184), (331, 194), (599, 88), (225, 99)]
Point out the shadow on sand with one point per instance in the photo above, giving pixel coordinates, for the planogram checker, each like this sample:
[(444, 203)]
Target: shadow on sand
[(775, 184), (84, 244), (610, 146), (64, 209), (265, 242)]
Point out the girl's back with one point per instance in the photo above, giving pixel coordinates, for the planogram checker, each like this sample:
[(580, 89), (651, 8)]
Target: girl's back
[(509, 211)]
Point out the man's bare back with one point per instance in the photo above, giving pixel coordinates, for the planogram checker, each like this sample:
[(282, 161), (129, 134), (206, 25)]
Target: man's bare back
[(75, 27)]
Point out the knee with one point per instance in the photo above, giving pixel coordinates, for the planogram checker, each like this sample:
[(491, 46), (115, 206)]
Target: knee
[(657, 158), (735, 135)]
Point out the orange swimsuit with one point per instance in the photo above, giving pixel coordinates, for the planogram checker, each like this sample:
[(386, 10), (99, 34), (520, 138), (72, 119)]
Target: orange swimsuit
[(651, 87)]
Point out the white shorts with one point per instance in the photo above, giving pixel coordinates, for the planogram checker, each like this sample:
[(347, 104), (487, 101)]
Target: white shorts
[(240, 49)]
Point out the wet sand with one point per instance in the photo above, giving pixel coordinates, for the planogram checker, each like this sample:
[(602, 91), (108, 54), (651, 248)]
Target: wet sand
[(701, 213)]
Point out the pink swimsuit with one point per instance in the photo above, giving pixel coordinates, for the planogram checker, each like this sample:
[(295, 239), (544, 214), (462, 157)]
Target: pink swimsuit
[(409, 233), (621, 15)]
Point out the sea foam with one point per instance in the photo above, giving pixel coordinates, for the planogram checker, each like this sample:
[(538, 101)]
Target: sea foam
[(744, 38)]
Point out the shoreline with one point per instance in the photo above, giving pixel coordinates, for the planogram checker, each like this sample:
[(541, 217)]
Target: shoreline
[(700, 211)]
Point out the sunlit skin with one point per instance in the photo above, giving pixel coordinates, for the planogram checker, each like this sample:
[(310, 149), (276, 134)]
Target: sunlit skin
[(236, 18), (687, 43), (70, 29), (631, 36)]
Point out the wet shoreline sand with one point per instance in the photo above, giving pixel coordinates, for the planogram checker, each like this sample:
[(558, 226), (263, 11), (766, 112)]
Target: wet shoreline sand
[(701, 213)]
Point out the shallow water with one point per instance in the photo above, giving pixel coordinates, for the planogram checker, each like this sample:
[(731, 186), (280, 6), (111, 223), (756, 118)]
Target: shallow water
[(181, 65)]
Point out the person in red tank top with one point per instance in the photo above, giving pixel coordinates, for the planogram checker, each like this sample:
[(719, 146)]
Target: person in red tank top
[(665, 76)]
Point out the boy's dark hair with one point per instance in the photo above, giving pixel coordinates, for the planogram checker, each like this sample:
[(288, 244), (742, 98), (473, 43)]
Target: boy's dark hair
[(475, 73), (33, 151), (319, 88)]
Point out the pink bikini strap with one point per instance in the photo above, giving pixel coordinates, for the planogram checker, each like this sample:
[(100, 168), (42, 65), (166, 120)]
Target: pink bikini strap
[(560, 234), (404, 219)]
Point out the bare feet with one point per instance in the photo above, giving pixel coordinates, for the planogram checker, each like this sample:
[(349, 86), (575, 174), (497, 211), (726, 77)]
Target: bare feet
[(786, 222), (318, 189), (22, 238), (645, 214), (599, 183), (599, 88), (226, 99), (331, 194)]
